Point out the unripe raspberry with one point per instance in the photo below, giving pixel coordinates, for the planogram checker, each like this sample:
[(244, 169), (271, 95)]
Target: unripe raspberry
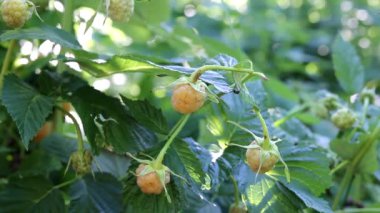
[(330, 101), (186, 99), (150, 183), (121, 10), (16, 12), (81, 162), (368, 93), (343, 118), (320, 110), (260, 160)]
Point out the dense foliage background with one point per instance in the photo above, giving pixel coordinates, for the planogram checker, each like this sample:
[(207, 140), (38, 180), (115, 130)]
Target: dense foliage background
[(118, 77)]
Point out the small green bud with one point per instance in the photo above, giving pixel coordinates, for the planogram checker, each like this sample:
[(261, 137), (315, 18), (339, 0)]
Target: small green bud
[(330, 101)]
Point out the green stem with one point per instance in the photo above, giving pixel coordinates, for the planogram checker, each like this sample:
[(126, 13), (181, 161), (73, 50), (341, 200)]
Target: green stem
[(345, 185), (197, 74), (6, 62), (67, 25), (365, 110), (177, 129), (339, 166), (344, 188), (54, 188), (291, 114), (236, 190), (77, 127), (266, 144)]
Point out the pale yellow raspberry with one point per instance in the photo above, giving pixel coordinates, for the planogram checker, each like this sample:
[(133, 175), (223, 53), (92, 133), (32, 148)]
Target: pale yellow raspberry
[(121, 10), (15, 12)]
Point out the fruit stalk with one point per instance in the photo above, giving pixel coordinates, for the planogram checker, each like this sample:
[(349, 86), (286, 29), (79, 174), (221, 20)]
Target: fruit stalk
[(176, 130), (236, 190), (197, 74), (6, 62), (365, 110), (77, 127), (266, 143), (291, 114), (67, 24), (345, 185)]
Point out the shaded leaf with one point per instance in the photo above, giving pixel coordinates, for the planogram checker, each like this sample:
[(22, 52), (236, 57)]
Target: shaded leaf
[(348, 67), (28, 108), (31, 194), (147, 115), (44, 32), (102, 193)]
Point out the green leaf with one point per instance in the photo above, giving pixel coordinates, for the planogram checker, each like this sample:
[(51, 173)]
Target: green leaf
[(266, 193), (102, 193), (190, 160), (107, 121), (40, 162), (59, 146), (111, 163), (147, 115), (28, 108), (31, 194), (348, 150), (44, 32), (306, 163), (148, 11), (101, 66), (280, 94), (348, 67)]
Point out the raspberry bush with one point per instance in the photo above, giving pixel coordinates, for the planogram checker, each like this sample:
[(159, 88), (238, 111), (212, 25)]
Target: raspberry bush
[(189, 106)]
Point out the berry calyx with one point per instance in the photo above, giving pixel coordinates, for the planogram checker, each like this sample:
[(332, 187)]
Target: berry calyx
[(188, 98), (16, 12), (344, 118), (121, 10), (262, 154), (149, 181), (81, 162), (260, 160), (45, 130), (238, 208)]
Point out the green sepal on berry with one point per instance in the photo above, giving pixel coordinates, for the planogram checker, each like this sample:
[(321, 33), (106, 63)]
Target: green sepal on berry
[(15, 13)]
